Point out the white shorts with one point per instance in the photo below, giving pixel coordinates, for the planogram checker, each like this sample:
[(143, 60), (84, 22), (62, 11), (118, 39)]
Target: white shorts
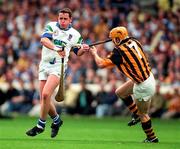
[(145, 90), (46, 69)]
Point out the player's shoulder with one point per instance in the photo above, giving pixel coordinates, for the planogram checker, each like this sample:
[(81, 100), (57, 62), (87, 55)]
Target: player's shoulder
[(136, 40), (128, 41), (133, 39), (74, 31), (52, 23)]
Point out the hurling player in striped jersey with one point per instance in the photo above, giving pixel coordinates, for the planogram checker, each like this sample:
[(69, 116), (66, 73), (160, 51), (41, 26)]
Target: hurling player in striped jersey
[(128, 56)]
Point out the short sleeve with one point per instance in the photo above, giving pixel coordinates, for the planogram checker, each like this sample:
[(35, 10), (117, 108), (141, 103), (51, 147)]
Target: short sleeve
[(48, 31), (115, 57)]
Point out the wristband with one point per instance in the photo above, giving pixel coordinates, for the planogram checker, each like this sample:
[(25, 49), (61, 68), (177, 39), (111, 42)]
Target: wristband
[(79, 46), (57, 49)]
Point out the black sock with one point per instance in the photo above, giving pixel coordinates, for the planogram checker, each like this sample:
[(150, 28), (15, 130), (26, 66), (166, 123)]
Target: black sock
[(147, 127), (130, 103)]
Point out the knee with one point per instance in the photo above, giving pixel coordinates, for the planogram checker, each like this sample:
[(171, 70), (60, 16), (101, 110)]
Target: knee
[(117, 92), (120, 94), (45, 96), (144, 117)]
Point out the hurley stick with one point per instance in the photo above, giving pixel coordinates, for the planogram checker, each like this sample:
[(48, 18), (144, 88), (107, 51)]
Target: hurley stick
[(60, 94)]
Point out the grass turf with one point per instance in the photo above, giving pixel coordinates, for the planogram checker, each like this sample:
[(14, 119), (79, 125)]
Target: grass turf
[(88, 133)]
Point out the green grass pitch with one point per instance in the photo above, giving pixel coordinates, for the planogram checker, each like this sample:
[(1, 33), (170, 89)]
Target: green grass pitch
[(88, 133)]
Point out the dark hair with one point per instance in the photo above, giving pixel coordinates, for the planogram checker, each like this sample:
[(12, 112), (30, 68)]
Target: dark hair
[(66, 10)]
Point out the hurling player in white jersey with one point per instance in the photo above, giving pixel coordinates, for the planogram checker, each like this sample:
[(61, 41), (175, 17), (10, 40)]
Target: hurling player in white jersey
[(56, 35)]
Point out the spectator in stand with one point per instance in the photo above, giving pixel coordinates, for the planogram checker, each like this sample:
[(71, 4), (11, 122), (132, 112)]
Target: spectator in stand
[(105, 101), (18, 100), (173, 106), (84, 100), (158, 103)]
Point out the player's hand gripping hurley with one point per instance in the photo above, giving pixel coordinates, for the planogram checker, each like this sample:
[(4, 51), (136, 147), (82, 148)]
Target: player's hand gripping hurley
[(60, 93)]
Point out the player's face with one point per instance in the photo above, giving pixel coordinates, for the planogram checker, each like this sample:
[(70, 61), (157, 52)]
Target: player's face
[(116, 41), (64, 20)]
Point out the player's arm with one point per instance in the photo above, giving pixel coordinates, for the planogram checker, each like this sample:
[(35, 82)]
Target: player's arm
[(101, 62), (46, 40), (79, 48), (84, 48)]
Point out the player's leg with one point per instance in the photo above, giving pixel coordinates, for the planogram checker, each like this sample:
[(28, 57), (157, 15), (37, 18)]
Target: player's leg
[(143, 107), (46, 90), (124, 92), (51, 83), (39, 128), (48, 105), (57, 122), (53, 113)]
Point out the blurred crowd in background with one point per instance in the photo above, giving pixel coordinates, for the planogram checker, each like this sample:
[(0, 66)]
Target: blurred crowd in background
[(89, 90)]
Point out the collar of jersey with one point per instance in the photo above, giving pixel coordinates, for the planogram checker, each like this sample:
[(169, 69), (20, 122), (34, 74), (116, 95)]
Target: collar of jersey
[(69, 26), (124, 40)]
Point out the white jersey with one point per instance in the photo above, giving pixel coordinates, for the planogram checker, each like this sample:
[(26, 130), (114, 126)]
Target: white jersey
[(60, 37), (51, 60)]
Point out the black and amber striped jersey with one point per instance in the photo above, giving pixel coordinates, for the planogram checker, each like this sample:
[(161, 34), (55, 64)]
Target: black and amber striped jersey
[(130, 59)]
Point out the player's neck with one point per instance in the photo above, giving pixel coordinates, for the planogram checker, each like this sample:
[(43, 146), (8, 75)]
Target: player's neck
[(65, 29)]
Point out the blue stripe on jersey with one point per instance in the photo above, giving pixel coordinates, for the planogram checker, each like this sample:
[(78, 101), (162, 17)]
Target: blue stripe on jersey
[(47, 35), (75, 49)]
